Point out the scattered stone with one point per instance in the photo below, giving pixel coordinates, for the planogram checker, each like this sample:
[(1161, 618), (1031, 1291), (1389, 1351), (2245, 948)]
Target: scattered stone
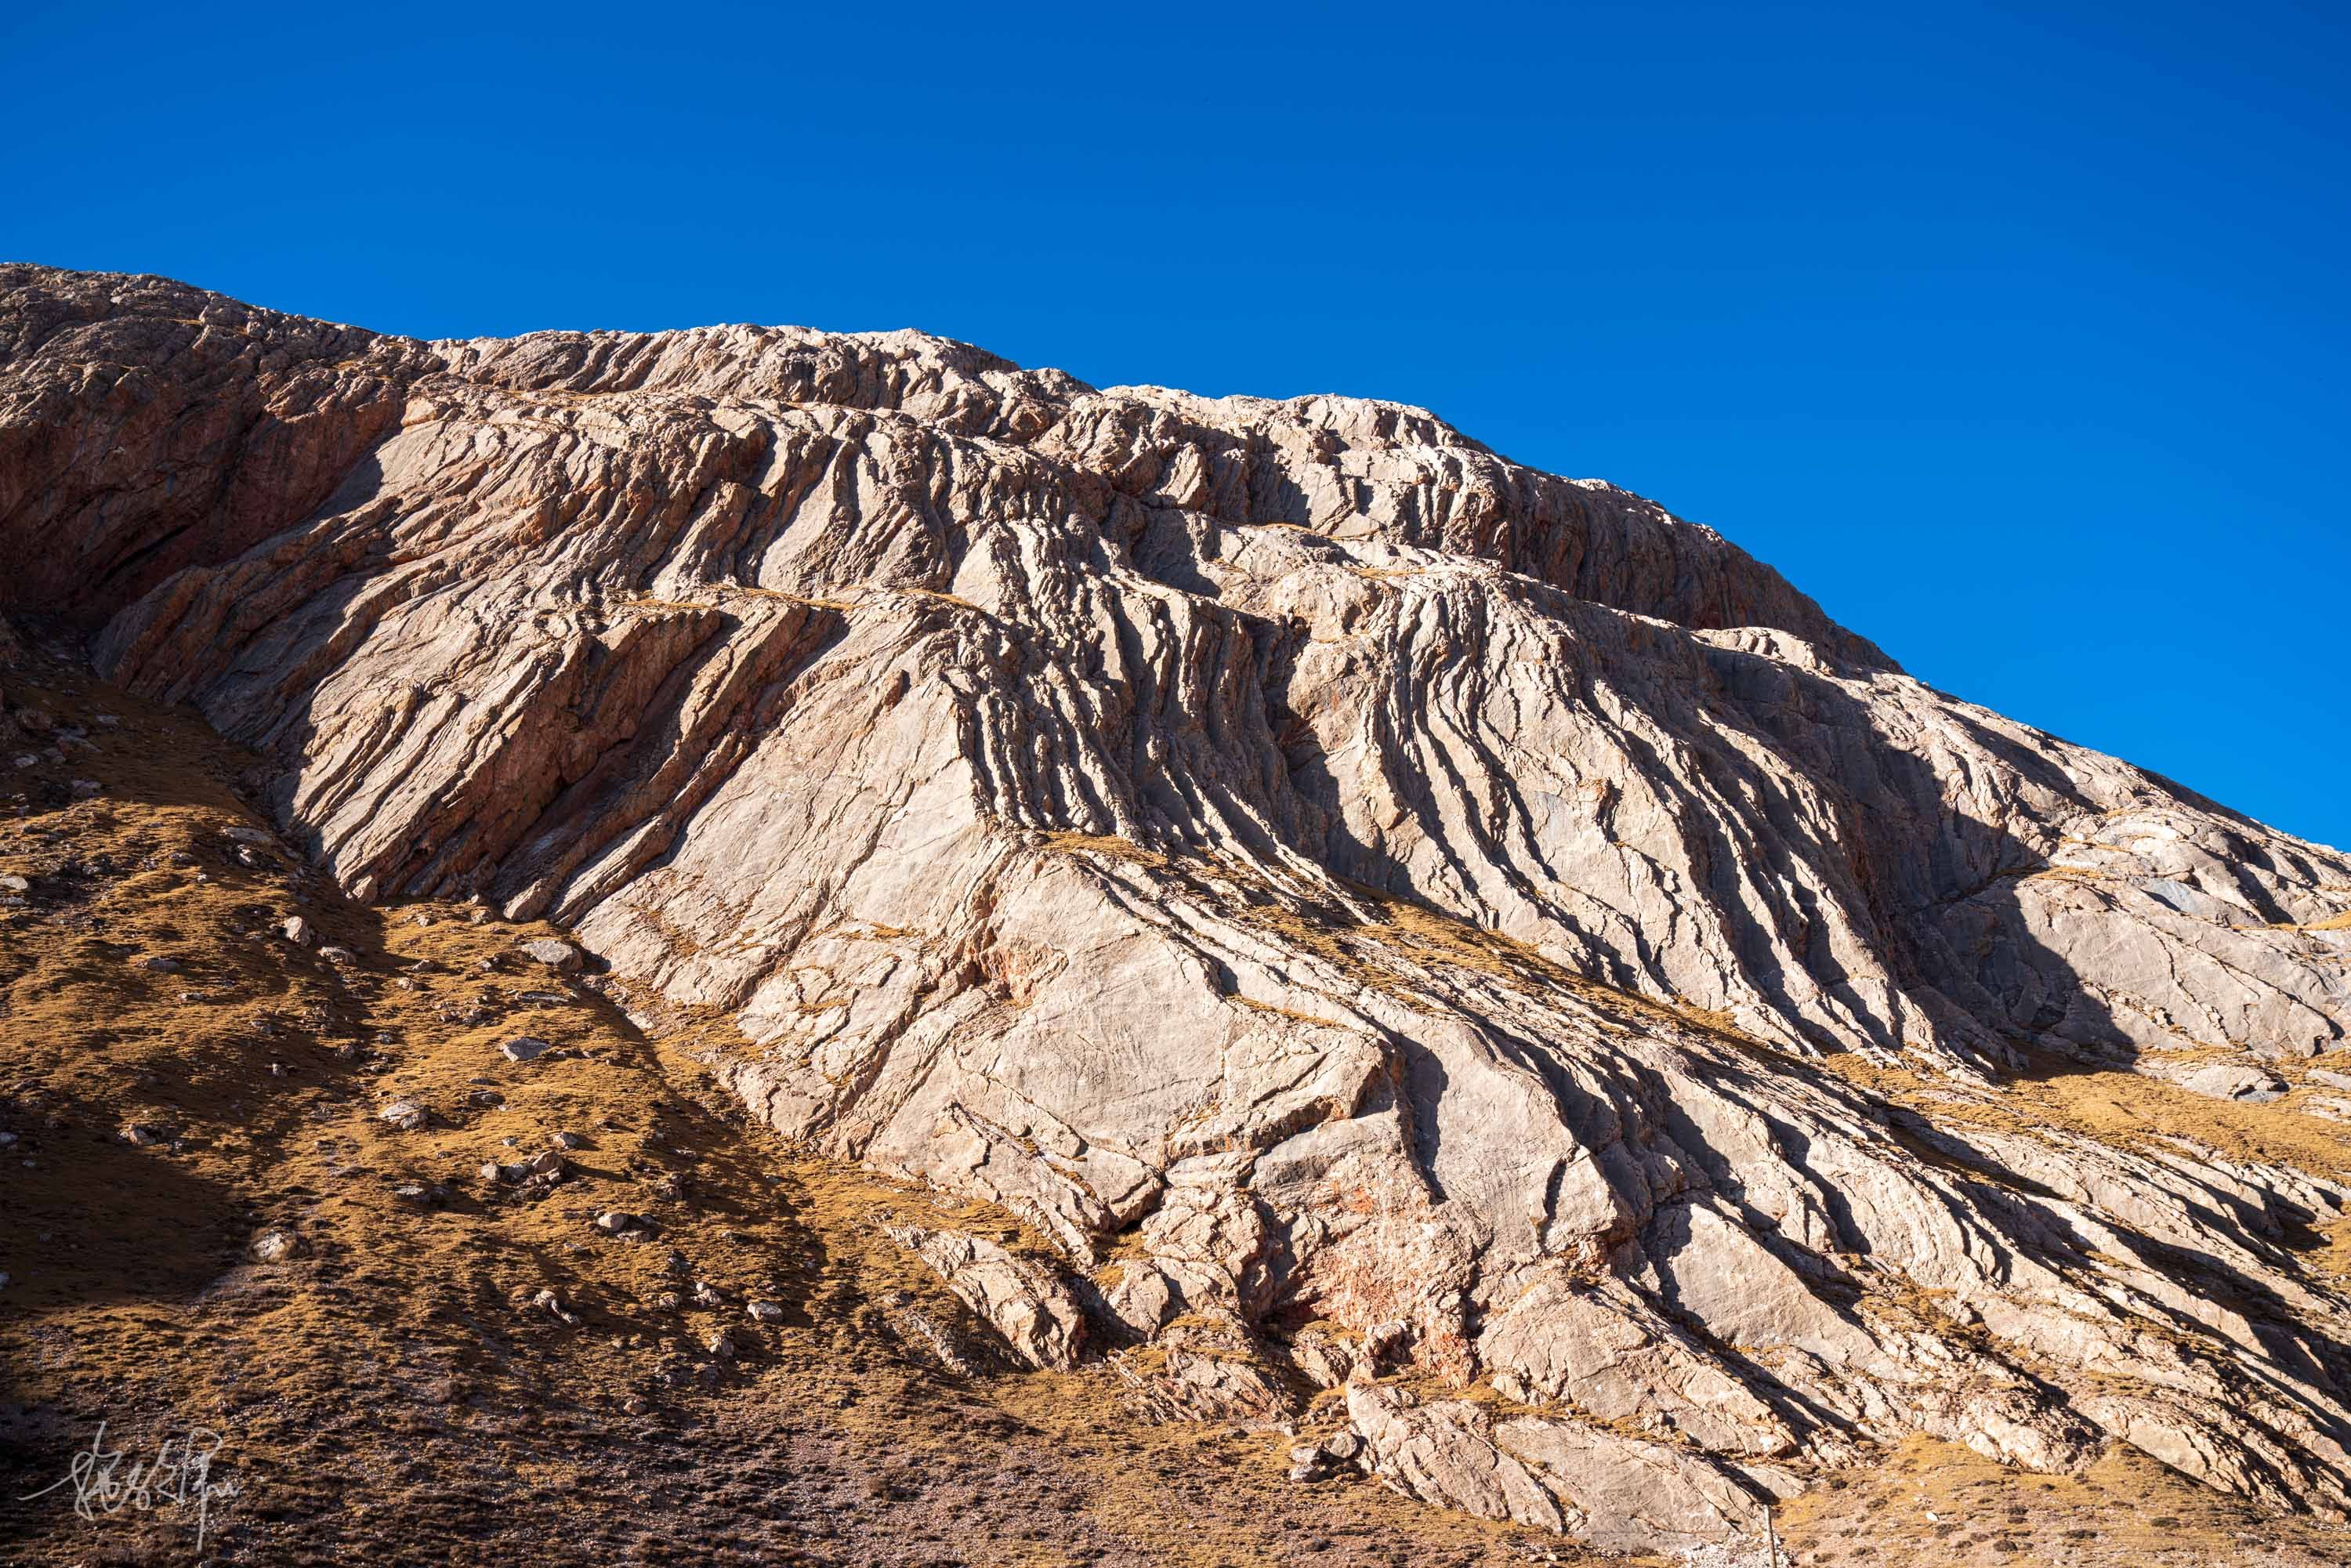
[(525, 1048), (143, 1135), (337, 954), (274, 1246), (406, 1115), (2231, 1080), (561, 957), (614, 1222), (766, 1311), (548, 1301), (86, 788), (15, 884), (299, 931), (422, 1195), (162, 965), (569, 1141), (721, 1345)]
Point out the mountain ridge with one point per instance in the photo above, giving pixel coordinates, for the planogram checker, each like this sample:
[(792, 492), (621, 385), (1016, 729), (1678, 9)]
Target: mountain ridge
[(1344, 889)]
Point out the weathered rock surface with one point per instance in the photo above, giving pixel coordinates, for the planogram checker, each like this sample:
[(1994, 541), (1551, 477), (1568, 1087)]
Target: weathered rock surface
[(1034, 1311), (1391, 885)]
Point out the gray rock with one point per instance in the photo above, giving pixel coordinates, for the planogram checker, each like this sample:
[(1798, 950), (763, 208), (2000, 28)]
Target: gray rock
[(299, 931), (274, 1246), (1036, 1313), (561, 956), (1444, 1452), (525, 1048), (2234, 1080), (547, 1302)]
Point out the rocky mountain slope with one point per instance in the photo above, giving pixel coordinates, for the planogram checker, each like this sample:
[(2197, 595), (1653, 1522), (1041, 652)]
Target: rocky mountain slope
[(1387, 921)]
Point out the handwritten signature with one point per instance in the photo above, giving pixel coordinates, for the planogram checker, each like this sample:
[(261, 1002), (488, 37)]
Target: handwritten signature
[(179, 1474)]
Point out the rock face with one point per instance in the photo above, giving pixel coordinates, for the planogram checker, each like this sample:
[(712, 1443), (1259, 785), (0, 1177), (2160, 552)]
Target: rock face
[(1376, 883)]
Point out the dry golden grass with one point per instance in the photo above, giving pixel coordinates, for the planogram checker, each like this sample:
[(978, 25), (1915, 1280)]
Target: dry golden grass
[(1932, 1504), (2122, 1108)]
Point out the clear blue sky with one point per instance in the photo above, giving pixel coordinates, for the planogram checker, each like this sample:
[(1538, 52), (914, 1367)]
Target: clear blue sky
[(2014, 335)]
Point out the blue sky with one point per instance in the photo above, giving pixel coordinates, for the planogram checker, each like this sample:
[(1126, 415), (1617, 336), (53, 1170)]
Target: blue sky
[(2015, 335)]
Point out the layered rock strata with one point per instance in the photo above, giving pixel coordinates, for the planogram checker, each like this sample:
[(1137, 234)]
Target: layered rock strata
[(1379, 912)]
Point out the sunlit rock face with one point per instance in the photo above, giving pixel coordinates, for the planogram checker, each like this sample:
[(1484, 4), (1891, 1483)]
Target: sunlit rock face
[(1359, 881)]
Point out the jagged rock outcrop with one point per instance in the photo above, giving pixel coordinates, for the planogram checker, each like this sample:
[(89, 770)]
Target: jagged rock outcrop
[(1388, 885), (1034, 1311)]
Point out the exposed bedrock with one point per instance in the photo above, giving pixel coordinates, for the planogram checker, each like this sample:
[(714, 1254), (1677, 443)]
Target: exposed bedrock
[(1357, 881)]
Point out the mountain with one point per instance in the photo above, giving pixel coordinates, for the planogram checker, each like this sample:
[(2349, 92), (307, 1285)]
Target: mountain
[(1417, 945)]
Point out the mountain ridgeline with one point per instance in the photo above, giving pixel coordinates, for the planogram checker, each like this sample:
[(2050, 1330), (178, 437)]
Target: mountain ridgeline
[(1392, 922)]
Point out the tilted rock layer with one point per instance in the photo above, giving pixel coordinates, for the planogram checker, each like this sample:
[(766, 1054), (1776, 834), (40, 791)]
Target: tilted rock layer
[(1407, 908)]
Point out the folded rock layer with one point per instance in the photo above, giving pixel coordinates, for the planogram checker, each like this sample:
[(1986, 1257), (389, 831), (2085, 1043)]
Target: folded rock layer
[(1354, 880)]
